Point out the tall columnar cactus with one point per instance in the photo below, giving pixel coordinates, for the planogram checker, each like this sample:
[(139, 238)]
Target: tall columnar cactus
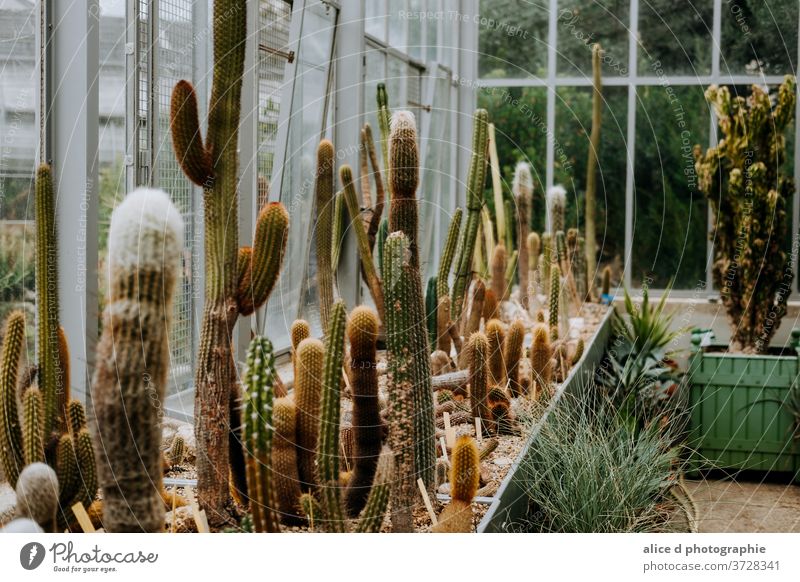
[(11, 444), (258, 382), (475, 184), (495, 333), (213, 164), (465, 475), (284, 458), (498, 270), (323, 192), (37, 495), (430, 309), (605, 288), (384, 120), (541, 358), (307, 393), (300, 330), (403, 217), (577, 262), (371, 517), (448, 253), (337, 231), (522, 187), (750, 195), (556, 208), (555, 296), (478, 358), (373, 213), (480, 305), (534, 246), (145, 244), (329, 422), (401, 379), (362, 331), (591, 165), (512, 354), (383, 234), (561, 250), (547, 263), (362, 240)]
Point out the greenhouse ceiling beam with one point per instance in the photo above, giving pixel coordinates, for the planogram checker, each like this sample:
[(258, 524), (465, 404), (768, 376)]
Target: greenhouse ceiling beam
[(68, 119)]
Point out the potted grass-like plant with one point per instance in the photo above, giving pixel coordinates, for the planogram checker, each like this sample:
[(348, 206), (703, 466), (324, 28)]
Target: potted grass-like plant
[(740, 392)]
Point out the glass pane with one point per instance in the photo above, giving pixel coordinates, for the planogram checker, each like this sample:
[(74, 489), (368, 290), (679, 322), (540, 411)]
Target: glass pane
[(375, 72), (675, 41), (571, 149), (375, 18), (520, 118), (759, 36), (398, 23), (670, 220), (297, 187), (415, 25), (581, 24), (512, 38)]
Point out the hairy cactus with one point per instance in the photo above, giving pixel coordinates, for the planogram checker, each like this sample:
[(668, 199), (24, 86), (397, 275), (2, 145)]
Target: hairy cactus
[(403, 217), (362, 331), (522, 187), (144, 246), (512, 354), (258, 381), (37, 495), (12, 452), (495, 333), (464, 480), (478, 358), (307, 392), (555, 296), (498, 270), (475, 185), (212, 162), (750, 197), (329, 422), (284, 458), (541, 358), (556, 208), (323, 193), (591, 166)]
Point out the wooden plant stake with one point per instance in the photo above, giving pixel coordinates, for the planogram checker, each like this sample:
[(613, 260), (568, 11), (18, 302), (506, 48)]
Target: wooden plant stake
[(427, 501), (478, 433), (83, 518), (444, 448)]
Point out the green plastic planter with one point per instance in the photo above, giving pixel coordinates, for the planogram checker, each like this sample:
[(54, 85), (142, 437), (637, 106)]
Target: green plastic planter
[(738, 421)]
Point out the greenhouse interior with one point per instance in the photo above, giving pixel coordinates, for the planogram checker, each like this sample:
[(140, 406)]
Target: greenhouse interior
[(566, 232)]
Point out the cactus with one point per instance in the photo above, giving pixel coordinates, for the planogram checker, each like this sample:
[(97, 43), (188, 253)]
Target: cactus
[(300, 330), (401, 379), (430, 309), (66, 467), (495, 333), (498, 270), (478, 359), (403, 217), (371, 518), (578, 353), (577, 255), (555, 295), (464, 481), (32, 435), (372, 214), (475, 185), (384, 121), (561, 251), (546, 261), (489, 446), (511, 269), (37, 495), (591, 167), (606, 285), (145, 246), (750, 195), (362, 331), (307, 392), (512, 353), (336, 231), (328, 446), (556, 208), (323, 194), (448, 253), (258, 381), (522, 187), (284, 458), (212, 162), (367, 262), (541, 357), (11, 442), (177, 452)]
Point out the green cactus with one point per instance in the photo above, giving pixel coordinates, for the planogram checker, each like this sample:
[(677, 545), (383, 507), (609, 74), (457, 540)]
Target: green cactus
[(66, 467), (212, 162), (373, 214), (307, 392), (431, 303), (337, 234), (750, 196), (145, 248), (448, 253), (401, 379), (546, 261), (177, 451), (32, 435), (478, 359), (561, 250), (555, 295), (475, 184), (510, 224), (362, 331), (512, 354), (323, 193), (384, 120), (383, 234), (591, 167), (577, 254), (12, 453), (259, 394), (329, 421), (371, 518)]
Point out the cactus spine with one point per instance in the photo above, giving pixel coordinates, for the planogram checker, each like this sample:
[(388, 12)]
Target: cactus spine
[(591, 166), (403, 217), (328, 446), (464, 481), (145, 245), (307, 392), (259, 393), (522, 187), (11, 442), (512, 353), (213, 163), (323, 192), (401, 378), (478, 357), (284, 458), (475, 183), (362, 331)]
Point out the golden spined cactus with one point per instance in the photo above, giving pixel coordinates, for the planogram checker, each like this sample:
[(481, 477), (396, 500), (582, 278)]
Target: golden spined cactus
[(478, 358), (512, 354), (307, 392), (362, 331), (323, 192), (177, 452), (498, 270), (284, 459), (145, 245), (541, 359), (300, 330), (464, 481), (12, 452), (32, 434), (37, 495), (500, 408), (556, 208), (495, 333)]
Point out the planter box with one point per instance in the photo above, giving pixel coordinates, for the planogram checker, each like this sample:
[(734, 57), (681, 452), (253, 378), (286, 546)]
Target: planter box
[(510, 503), (736, 422)]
